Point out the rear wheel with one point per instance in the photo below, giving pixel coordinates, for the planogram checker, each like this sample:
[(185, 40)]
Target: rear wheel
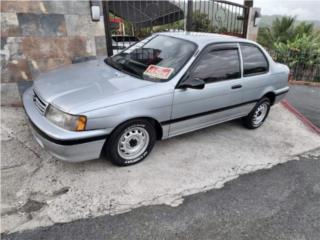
[(258, 114), (131, 142)]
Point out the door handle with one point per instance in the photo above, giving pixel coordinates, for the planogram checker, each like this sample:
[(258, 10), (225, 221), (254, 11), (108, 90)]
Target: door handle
[(236, 86)]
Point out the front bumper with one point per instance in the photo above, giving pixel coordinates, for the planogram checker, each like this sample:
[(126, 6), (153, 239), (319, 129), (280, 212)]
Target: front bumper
[(63, 144)]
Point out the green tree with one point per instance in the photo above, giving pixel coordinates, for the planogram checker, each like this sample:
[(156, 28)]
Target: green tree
[(281, 30), (303, 49), (178, 25), (304, 28), (284, 30), (201, 22), (297, 45)]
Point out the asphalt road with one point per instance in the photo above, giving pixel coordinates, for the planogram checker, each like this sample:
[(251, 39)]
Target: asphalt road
[(279, 203), (307, 101)]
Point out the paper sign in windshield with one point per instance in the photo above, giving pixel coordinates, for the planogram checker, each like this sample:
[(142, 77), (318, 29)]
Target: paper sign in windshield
[(158, 72)]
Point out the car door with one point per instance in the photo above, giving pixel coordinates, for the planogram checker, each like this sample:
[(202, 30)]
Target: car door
[(256, 76), (220, 100)]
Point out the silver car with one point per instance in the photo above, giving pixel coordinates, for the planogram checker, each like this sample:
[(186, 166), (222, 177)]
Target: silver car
[(161, 87)]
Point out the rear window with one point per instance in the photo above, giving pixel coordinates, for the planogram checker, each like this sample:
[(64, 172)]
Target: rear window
[(254, 60)]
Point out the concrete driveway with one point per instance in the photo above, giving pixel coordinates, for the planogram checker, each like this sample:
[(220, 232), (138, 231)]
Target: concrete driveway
[(38, 190)]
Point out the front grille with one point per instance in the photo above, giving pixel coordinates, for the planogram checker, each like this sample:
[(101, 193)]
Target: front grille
[(40, 103)]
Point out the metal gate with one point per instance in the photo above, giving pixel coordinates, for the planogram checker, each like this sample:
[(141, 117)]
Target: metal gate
[(131, 21)]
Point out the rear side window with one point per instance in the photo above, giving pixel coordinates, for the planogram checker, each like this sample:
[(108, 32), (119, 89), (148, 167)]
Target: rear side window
[(254, 61), (218, 65)]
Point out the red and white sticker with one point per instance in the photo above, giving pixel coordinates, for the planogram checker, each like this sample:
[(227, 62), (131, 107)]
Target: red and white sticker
[(158, 72)]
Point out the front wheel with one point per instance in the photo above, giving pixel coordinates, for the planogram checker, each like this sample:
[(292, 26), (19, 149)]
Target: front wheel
[(131, 142), (258, 114)]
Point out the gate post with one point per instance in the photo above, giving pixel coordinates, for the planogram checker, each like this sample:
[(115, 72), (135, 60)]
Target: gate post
[(248, 4), (107, 27), (253, 26), (251, 17), (189, 15)]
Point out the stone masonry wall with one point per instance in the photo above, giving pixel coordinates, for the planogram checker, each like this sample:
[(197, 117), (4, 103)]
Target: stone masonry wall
[(38, 36)]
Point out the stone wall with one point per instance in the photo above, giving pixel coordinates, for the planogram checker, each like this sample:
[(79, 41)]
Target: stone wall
[(38, 36)]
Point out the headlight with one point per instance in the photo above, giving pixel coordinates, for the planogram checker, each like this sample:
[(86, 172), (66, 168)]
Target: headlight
[(65, 120)]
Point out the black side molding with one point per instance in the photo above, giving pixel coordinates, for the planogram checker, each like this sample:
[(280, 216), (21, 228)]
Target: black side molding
[(213, 111), (66, 142), (206, 113)]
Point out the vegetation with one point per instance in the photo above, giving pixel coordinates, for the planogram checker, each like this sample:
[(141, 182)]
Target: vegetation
[(201, 22), (178, 25), (284, 30), (297, 45)]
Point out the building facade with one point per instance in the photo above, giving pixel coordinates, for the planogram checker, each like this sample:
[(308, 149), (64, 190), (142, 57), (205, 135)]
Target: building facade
[(38, 36)]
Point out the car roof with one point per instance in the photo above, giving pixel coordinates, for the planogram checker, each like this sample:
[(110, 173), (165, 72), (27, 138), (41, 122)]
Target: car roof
[(202, 39)]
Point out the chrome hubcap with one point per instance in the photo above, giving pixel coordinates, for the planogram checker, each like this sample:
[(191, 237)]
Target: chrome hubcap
[(133, 142), (260, 114)]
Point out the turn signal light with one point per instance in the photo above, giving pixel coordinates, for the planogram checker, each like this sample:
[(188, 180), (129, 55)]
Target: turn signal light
[(81, 123)]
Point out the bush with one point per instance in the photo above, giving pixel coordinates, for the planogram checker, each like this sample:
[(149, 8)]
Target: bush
[(296, 45)]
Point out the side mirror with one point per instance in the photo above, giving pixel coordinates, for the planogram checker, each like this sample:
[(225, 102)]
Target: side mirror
[(195, 83)]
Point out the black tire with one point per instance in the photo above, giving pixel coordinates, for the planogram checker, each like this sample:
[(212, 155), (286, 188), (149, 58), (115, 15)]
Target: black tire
[(111, 148), (248, 121)]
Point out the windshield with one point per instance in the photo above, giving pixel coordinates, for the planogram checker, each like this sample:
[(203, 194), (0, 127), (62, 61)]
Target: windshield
[(157, 58)]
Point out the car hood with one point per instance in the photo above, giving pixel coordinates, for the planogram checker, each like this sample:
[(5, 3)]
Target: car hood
[(82, 83)]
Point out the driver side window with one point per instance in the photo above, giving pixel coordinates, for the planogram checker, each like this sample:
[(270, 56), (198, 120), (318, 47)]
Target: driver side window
[(218, 65)]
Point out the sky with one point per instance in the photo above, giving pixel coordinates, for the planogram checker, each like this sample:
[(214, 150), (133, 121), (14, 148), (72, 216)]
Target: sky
[(303, 9)]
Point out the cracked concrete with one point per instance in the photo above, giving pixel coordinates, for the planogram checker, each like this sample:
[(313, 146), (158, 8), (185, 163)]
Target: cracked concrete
[(38, 190)]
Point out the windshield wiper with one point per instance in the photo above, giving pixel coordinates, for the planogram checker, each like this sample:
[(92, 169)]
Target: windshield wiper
[(113, 64), (131, 70), (122, 67)]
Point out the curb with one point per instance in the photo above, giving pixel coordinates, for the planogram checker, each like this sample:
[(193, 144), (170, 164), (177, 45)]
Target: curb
[(300, 116), (304, 83)]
